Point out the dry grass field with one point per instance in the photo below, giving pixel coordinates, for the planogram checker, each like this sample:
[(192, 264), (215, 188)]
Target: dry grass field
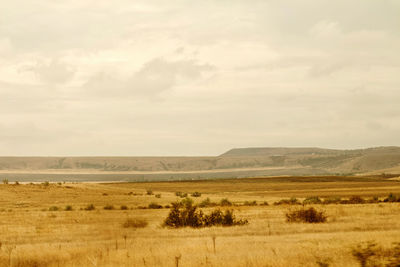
[(37, 230)]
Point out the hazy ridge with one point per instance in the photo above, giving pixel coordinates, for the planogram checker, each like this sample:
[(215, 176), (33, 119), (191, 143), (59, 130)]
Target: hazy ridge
[(238, 162)]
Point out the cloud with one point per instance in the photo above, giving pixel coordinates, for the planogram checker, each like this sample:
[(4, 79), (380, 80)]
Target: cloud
[(153, 78), (53, 72)]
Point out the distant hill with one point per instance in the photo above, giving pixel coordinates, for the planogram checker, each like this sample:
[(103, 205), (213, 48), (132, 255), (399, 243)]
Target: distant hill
[(237, 162)]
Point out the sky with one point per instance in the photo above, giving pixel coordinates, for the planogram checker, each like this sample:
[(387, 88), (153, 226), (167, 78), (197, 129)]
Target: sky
[(148, 78)]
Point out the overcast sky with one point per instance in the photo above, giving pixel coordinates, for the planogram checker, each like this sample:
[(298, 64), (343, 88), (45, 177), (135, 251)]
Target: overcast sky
[(197, 77)]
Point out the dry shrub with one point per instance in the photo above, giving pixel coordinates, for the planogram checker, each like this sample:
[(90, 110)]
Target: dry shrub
[(291, 201), (109, 207), (370, 254), (135, 223), (207, 203), (196, 194), (312, 200), (90, 207), (310, 215), (154, 205), (186, 214)]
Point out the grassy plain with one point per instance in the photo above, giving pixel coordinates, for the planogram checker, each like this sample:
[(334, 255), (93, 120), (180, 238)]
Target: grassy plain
[(32, 235)]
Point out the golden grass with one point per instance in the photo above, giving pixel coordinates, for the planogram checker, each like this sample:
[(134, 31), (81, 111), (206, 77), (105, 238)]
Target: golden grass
[(31, 235)]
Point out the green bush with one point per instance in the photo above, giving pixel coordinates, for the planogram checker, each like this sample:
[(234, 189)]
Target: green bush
[(196, 194), (309, 215), (158, 195), (53, 208)]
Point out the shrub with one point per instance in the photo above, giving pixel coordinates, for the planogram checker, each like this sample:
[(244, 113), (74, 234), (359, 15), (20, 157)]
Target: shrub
[(217, 217), (90, 207), (53, 208), (158, 195), (16, 183), (135, 223), (68, 208), (149, 192), (196, 194), (46, 183), (291, 201), (109, 207), (371, 254), (309, 215), (124, 207), (186, 214), (355, 200), (332, 200), (181, 194), (225, 202), (250, 203), (154, 205), (207, 203), (392, 198), (312, 200), (265, 203)]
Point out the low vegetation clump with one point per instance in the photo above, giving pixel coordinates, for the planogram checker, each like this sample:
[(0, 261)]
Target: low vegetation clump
[(184, 214), (225, 202), (90, 207), (124, 207), (371, 254), (109, 207), (68, 208), (149, 192), (392, 198), (154, 205), (356, 200), (310, 215), (290, 201), (53, 208), (196, 194), (250, 203), (312, 200), (135, 223), (207, 203), (181, 194), (332, 200), (157, 195)]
